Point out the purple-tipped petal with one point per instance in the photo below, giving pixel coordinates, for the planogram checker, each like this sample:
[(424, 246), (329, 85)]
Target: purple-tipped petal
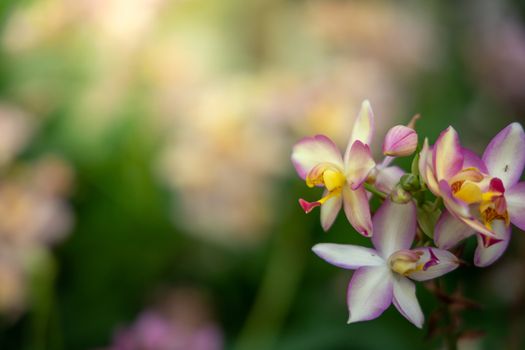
[(405, 301), (358, 164), (450, 231), (388, 178), (505, 154), (348, 256), (400, 141), (447, 155), (369, 293), (485, 256), (315, 150), (363, 127), (436, 262), (472, 160), (329, 210), (357, 210), (426, 168), (515, 198), (394, 227)]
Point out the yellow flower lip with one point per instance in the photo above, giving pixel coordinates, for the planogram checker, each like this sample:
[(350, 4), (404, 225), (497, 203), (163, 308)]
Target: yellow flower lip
[(405, 262), (326, 174), (470, 188)]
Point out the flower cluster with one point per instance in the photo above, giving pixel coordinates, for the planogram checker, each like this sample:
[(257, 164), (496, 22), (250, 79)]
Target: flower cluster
[(450, 194), (34, 210)]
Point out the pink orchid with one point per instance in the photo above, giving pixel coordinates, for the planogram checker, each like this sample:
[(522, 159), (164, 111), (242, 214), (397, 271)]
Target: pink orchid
[(489, 187), (450, 172), (383, 275), (318, 161)]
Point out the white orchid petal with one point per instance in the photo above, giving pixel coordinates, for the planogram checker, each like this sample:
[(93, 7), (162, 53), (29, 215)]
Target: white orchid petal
[(357, 210), (363, 127), (447, 155), (515, 198), (405, 301), (312, 151), (348, 256), (358, 164), (329, 210), (394, 227), (369, 293), (505, 154), (388, 178), (450, 231), (485, 256)]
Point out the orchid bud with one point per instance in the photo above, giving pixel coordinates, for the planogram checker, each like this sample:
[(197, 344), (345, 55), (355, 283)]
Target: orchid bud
[(400, 141), (410, 182), (399, 195)]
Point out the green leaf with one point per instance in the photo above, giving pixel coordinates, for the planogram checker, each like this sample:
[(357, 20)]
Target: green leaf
[(427, 218), (415, 165)]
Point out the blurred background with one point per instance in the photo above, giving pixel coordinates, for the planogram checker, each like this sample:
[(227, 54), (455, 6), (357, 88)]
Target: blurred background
[(147, 200)]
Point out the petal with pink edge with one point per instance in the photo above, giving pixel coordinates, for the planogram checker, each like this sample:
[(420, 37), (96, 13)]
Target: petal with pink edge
[(505, 154), (405, 301), (515, 198), (315, 150), (357, 210), (358, 164), (435, 263), (400, 141), (369, 293), (348, 256), (450, 231), (388, 178), (485, 256), (394, 227), (472, 160), (425, 168), (329, 210), (363, 128), (447, 155)]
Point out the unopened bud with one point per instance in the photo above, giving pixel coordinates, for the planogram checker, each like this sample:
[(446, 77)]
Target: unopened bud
[(410, 182), (400, 141), (399, 195)]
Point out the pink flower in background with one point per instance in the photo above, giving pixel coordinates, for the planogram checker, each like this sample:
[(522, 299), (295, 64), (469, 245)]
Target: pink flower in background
[(383, 275), (180, 322), (494, 193), (318, 161), (154, 332)]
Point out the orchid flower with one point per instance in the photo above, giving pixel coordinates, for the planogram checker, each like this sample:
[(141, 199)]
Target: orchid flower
[(384, 275), (319, 162), (492, 191), (456, 174)]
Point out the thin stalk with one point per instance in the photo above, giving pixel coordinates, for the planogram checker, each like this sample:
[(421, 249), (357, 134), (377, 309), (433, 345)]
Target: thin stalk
[(371, 188)]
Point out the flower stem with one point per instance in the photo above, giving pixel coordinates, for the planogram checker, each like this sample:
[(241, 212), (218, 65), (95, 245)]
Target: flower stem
[(371, 188)]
